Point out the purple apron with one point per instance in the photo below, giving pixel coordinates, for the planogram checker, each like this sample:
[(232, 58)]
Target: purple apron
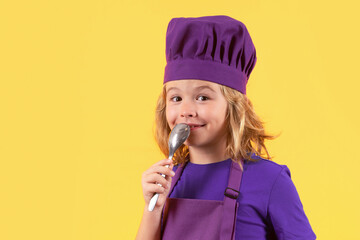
[(195, 219)]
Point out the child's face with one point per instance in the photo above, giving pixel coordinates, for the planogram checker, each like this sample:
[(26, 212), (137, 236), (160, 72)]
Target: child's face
[(197, 102)]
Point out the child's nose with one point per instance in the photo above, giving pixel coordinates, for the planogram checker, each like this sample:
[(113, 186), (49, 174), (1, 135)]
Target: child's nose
[(188, 110)]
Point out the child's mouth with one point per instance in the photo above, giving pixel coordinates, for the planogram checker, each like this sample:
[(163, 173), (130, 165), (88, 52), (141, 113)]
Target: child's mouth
[(192, 128)]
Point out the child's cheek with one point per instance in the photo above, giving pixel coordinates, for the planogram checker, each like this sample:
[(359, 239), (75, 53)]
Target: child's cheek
[(171, 115)]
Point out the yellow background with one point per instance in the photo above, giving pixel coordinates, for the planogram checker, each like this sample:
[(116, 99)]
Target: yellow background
[(78, 85)]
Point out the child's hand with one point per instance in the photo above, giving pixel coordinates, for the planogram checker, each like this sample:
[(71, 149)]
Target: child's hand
[(151, 177)]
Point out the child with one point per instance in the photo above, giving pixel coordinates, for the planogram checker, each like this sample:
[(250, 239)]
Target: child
[(217, 186)]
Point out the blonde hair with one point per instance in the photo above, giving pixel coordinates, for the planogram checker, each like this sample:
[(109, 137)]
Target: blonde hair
[(245, 136)]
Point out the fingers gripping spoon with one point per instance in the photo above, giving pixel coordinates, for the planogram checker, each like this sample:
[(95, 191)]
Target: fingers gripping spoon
[(178, 136)]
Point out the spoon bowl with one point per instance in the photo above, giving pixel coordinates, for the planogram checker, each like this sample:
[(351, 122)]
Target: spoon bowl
[(178, 136)]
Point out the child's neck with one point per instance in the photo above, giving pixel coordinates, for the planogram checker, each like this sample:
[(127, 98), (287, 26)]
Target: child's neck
[(206, 155)]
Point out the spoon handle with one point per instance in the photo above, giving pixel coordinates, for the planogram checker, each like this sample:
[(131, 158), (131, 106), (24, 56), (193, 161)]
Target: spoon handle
[(154, 199)]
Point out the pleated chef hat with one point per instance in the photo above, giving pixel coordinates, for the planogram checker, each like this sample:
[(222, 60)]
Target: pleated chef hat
[(212, 48)]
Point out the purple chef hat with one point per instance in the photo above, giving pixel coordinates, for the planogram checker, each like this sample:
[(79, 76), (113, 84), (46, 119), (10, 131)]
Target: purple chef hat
[(212, 48)]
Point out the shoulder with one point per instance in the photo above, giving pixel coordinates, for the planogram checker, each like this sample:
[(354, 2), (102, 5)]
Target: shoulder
[(259, 180), (268, 191), (264, 168), (262, 176)]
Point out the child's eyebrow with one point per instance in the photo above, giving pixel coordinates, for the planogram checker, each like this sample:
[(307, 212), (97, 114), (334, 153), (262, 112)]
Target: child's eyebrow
[(197, 88), (204, 87)]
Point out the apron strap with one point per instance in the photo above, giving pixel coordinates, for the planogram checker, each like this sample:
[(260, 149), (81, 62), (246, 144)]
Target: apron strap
[(176, 177), (174, 180), (231, 193)]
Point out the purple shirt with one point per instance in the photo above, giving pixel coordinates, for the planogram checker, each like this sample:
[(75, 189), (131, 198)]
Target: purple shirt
[(269, 205)]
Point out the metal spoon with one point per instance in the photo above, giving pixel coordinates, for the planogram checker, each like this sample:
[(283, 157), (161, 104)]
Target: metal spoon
[(178, 136)]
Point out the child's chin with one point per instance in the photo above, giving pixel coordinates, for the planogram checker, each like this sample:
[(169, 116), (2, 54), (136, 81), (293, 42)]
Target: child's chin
[(189, 144)]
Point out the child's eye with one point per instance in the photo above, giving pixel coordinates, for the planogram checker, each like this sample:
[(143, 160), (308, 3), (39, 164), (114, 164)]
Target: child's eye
[(175, 99), (203, 98)]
